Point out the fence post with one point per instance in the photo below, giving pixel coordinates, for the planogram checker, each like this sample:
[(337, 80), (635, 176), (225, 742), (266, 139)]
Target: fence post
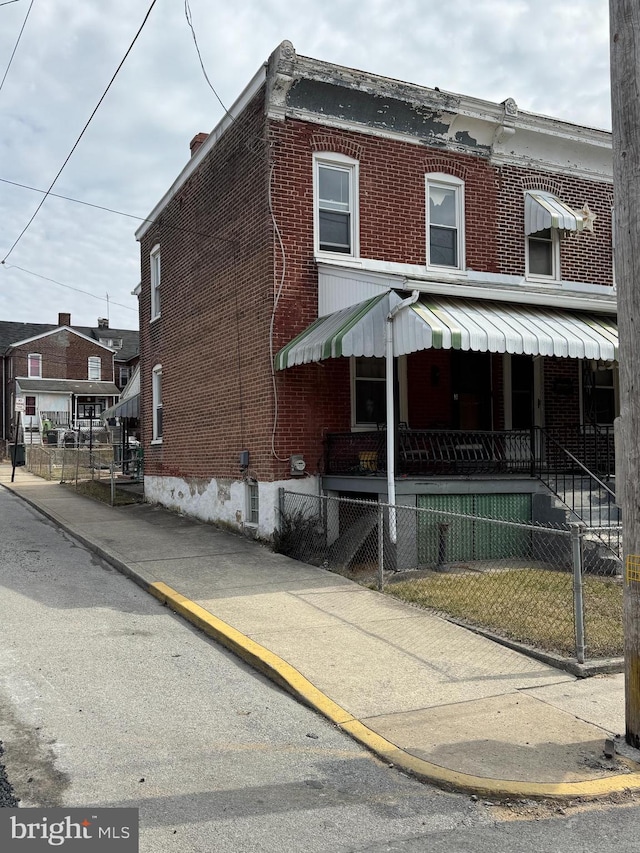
[(380, 547), (113, 483), (280, 507), (577, 532)]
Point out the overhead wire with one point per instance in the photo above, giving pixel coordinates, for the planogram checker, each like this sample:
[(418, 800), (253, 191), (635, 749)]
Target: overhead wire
[(189, 17), (69, 287), (83, 131), (15, 47), (117, 212)]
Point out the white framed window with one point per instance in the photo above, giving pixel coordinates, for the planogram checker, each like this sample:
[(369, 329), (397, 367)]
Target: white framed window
[(253, 503), (125, 373), (156, 398), (335, 208), (445, 222), (94, 364), (543, 255), (34, 365), (154, 257)]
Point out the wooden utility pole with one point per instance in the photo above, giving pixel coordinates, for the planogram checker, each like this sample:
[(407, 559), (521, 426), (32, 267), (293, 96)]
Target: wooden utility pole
[(625, 108)]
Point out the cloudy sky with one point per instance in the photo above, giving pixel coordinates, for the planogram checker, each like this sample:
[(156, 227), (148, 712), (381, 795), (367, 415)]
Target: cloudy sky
[(550, 56)]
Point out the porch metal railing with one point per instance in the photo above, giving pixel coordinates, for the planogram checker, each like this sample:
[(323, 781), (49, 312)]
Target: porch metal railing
[(588, 497), (431, 452), (57, 419)]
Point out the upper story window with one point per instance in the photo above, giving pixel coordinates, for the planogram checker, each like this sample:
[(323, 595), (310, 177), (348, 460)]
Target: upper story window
[(94, 368), (155, 282), (34, 360), (543, 254), (335, 180), (156, 402), (445, 222), (125, 373), (546, 220)]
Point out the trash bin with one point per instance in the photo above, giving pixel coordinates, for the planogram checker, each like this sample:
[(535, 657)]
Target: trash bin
[(18, 450), (52, 437)]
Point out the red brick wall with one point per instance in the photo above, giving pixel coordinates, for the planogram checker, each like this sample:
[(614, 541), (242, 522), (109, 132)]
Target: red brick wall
[(64, 356), (212, 339)]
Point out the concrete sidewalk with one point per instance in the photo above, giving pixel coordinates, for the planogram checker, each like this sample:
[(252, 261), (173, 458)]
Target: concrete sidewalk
[(428, 696)]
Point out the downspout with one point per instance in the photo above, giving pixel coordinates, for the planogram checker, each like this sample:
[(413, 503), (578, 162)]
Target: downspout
[(391, 428)]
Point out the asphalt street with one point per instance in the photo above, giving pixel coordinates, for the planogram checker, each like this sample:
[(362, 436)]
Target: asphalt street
[(109, 699)]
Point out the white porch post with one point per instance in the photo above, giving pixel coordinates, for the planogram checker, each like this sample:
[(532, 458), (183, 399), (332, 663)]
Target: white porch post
[(391, 430)]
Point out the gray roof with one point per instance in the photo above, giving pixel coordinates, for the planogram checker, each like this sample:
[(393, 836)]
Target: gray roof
[(69, 386), (13, 333)]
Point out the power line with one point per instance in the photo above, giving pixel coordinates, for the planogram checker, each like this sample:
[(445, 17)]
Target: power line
[(68, 286), (77, 142), (7, 2), (13, 52), (188, 16), (117, 212)]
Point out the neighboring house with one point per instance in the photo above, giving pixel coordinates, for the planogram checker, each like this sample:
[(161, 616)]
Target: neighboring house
[(68, 375), (276, 346)]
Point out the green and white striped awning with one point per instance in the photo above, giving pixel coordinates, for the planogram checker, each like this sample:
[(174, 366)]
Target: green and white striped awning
[(543, 210), (448, 323)]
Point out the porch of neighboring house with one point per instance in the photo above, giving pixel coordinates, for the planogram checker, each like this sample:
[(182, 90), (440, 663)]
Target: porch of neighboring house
[(64, 412)]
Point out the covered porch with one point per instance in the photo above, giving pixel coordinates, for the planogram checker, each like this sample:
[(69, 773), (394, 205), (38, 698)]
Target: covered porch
[(472, 389)]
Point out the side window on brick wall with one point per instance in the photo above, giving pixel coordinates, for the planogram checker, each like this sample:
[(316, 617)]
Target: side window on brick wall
[(445, 222), (94, 368), (156, 397), (335, 208), (35, 365), (155, 281)]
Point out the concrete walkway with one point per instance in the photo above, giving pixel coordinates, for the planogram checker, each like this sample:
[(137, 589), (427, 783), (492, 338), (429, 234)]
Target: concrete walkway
[(428, 696)]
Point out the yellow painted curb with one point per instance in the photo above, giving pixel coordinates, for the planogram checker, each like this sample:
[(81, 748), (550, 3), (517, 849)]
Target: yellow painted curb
[(287, 677)]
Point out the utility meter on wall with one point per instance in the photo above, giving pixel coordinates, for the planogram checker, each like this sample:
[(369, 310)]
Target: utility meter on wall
[(298, 465)]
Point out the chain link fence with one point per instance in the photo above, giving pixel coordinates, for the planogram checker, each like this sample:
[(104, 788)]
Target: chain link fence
[(91, 470), (556, 588)]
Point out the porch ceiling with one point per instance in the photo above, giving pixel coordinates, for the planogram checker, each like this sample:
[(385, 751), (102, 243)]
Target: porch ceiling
[(448, 323)]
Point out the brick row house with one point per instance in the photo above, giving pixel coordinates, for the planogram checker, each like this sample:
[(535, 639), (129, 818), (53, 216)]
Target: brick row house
[(68, 375), (358, 286)]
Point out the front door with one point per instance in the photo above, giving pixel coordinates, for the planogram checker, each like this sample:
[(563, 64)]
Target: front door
[(471, 387)]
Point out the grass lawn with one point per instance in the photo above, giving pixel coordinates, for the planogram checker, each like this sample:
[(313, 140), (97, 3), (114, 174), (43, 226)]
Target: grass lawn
[(101, 491), (533, 606)]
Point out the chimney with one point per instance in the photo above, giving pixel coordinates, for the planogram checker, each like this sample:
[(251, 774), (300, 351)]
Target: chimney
[(197, 141), (64, 319), (103, 322)]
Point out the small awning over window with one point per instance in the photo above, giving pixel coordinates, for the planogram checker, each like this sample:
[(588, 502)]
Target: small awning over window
[(543, 210), (448, 323)]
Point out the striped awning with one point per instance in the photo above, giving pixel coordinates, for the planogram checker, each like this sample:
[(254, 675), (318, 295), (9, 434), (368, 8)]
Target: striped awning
[(448, 323), (129, 404), (543, 210), (466, 324)]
